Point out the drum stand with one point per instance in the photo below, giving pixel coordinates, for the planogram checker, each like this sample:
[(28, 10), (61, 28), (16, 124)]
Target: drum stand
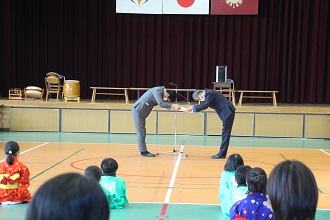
[(73, 98)]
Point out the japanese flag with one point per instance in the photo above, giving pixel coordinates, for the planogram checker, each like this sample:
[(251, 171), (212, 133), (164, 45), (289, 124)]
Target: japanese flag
[(139, 6), (185, 6)]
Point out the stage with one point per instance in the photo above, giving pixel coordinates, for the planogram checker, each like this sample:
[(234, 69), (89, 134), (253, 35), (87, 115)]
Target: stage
[(114, 116)]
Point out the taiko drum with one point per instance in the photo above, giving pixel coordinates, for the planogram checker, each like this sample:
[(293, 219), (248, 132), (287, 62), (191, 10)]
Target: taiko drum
[(71, 88)]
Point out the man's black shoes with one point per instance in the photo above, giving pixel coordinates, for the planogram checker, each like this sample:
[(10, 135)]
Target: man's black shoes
[(147, 154), (217, 157)]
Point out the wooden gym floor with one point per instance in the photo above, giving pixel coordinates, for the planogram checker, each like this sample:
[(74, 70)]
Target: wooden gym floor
[(169, 186)]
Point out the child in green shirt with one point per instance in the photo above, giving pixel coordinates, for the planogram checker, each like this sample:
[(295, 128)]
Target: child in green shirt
[(95, 172), (227, 179), (115, 185), (237, 193)]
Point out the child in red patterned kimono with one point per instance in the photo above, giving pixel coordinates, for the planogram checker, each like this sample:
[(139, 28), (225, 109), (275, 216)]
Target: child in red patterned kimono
[(14, 177)]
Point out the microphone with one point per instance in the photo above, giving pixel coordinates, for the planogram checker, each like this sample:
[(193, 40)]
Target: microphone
[(173, 84)]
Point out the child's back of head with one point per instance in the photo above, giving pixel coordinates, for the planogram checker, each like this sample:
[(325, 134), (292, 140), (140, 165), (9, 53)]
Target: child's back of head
[(94, 172), (241, 173), (69, 196), (109, 166), (233, 162), (11, 150), (292, 191), (256, 180)]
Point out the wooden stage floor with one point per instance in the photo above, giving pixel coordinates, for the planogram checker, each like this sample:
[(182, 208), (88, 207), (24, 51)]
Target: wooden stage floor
[(120, 104)]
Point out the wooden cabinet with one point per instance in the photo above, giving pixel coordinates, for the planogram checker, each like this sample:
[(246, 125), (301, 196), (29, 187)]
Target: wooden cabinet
[(15, 94)]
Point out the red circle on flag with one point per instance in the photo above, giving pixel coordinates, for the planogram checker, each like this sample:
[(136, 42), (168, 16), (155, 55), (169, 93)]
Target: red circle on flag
[(186, 3)]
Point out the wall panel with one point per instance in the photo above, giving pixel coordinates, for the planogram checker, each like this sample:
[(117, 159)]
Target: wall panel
[(82, 120), (317, 126), (122, 122), (32, 119), (279, 125), (181, 123)]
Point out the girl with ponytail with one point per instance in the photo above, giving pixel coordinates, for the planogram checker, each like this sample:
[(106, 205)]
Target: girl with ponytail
[(14, 177)]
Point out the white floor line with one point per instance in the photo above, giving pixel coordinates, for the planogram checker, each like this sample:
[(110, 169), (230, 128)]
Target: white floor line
[(170, 187), (325, 152), (40, 145)]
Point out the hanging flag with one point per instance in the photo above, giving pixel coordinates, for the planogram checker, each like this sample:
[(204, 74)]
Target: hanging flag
[(139, 6), (185, 6), (234, 7)]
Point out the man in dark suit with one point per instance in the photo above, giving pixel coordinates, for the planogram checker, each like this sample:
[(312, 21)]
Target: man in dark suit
[(142, 108), (225, 111)]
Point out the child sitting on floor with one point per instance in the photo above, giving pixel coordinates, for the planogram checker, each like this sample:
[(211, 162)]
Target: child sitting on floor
[(114, 184), (254, 205), (227, 179), (95, 172), (14, 177), (235, 194)]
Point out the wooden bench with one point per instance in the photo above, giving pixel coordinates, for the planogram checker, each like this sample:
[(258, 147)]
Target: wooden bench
[(243, 92), (229, 93), (98, 91), (138, 90)]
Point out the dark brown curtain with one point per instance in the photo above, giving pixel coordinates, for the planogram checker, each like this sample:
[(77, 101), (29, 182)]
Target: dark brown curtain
[(285, 47)]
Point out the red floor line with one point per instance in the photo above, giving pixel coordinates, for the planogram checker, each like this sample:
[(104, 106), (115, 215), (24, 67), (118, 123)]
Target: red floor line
[(163, 212)]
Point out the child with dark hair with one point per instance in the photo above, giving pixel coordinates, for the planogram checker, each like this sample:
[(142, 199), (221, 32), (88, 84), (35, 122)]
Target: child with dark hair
[(227, 179), (95, 172), (114, 184), (69, 196), (235, 194), (292, 191), (254, 206), (14, 177)]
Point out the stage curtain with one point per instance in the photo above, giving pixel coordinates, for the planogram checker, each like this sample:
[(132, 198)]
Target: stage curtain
[(285, 47)]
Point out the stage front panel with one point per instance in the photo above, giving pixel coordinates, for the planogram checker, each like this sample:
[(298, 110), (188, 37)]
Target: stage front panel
[(180, 123), (314, 125), (81, 120), (279, 125), (122, 122), (34, 119)]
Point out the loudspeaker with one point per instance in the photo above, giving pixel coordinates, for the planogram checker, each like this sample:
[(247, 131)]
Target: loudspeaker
[(221, 73)]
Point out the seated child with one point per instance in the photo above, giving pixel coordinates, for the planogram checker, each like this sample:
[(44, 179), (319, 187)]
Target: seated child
[(95, 172), (114, 184), (227, 179), (254, 206), (235, 193), (292, 191), (69, 196), (14, 177)]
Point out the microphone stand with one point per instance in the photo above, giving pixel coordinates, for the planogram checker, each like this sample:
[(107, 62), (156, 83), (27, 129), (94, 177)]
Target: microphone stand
[(188, 103), (180, 152), (176, 92), (175, 125), (175, 119)]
